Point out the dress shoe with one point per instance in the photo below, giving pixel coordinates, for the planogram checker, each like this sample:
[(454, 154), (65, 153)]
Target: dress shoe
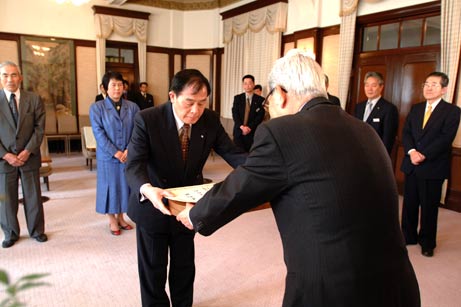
[(126, 227), (428, 252), (8, 243), (115, 232), (41, 238)]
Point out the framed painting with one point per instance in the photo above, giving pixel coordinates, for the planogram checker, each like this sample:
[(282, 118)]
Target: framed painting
[(48, 68)]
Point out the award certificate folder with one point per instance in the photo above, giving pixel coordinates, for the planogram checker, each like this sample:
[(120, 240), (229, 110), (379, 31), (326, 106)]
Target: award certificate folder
[(183, 195)]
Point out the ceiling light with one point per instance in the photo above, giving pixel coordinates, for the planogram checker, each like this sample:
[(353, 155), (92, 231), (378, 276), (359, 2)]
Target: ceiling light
[(74, 2)]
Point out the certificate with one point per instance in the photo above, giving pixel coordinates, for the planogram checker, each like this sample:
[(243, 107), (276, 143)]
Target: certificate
[(183, 195)]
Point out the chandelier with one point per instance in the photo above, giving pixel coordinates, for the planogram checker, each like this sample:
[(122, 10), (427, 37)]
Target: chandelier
[(74, 2)]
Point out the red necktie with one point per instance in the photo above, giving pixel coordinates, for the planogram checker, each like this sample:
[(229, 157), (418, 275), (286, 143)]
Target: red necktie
[(185, 141)]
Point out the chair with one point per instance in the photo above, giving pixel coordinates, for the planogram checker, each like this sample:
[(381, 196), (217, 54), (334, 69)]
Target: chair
[(45, 169), (88, 145)]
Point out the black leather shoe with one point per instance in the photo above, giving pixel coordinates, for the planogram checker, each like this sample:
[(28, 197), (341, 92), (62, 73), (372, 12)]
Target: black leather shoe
[(8, 243), (41, 238), (428, 252)]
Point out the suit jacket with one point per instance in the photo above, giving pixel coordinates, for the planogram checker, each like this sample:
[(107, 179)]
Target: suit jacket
[(339, 222), (334, 100), (255, 117), (434, 141), (154, 156), (144, 102), (28, 134), (384, 118), (99, 97)]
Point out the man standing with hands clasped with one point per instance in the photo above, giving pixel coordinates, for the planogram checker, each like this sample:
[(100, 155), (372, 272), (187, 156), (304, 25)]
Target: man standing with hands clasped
[(429, 131), (169, 146), (379, 113), (342, 246), (22, 123)]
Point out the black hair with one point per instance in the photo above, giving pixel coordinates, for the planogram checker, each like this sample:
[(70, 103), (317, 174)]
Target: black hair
[(189, 78), (111, 75)]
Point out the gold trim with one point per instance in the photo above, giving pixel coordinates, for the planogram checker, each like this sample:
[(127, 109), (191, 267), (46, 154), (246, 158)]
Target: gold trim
[(184, 5)]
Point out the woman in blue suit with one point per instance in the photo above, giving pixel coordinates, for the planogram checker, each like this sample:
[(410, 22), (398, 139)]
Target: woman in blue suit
[(112, 122)]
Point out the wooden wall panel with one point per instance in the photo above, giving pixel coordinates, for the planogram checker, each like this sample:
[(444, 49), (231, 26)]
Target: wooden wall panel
[(9, 51), (157, 74), (87, 85), (330, 64)]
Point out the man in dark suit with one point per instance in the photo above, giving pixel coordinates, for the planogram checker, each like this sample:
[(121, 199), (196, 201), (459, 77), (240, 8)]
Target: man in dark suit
[(143, 99), (22, 123), (429, 131), (156, 162), (248, 113), (334, 100), (379, 113), (338, 220)]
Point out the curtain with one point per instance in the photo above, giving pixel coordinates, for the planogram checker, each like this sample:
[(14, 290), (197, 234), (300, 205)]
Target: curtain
[(124, 26), (252, 44), (450, 51), (348, 15)]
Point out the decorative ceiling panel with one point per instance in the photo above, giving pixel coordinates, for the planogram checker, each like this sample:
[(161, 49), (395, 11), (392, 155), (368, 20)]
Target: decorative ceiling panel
[(184, 5)]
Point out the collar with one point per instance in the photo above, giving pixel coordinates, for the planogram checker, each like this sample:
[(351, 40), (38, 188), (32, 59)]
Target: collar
[(179, 122), (314, 102), (8, 94), (434, 104), (374, 101)]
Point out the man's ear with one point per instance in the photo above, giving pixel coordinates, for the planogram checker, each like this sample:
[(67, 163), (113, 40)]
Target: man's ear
[(172, 96), (283, 96)]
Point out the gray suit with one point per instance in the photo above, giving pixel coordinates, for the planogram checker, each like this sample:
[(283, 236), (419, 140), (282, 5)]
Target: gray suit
[(28, 135)]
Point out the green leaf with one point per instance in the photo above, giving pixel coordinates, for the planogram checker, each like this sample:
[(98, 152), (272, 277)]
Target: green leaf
[(4, 277), (29, 285), (32, 277)]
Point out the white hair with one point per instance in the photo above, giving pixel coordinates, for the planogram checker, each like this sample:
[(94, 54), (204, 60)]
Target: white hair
[(10, 63), (299, 75)]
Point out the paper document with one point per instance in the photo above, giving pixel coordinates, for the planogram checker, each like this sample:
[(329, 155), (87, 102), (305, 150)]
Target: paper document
[(190, 194)]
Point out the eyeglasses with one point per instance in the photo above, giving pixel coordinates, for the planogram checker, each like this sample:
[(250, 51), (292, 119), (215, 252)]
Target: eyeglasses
[(431, 85), (266, 101)]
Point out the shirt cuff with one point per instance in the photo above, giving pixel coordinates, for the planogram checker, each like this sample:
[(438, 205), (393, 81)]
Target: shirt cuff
[(141, 189)]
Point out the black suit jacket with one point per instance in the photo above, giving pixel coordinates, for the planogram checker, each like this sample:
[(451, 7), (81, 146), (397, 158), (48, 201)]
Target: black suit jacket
[(144, 102), (339, 222), (384, 118), (255, 117), (99, 97), (154, 156), (334, 100), (434, 141)]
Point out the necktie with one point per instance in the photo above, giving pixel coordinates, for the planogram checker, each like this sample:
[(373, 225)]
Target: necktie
[(367, 111), (427, 115), (14, 108), (247, 111), (185, 141)]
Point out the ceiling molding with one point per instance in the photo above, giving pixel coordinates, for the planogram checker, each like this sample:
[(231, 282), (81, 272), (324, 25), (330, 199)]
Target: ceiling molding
[(182, 5)]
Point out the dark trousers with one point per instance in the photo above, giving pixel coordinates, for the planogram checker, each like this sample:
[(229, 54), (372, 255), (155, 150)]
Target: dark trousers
[(32, 201), (244, 141), (425, 193), (153, 250)]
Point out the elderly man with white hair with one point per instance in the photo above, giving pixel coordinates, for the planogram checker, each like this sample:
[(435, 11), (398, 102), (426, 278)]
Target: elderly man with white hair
[(330, 182)]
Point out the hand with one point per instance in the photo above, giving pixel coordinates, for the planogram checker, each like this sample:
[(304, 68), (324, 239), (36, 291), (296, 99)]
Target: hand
[(24, 155), (124, 156), (13, 160), (155, 195), (416, 157), (119, 155), (183, 216), (245, 129)]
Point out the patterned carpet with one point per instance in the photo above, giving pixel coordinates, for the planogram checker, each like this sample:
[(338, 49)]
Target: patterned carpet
[(240, 265)]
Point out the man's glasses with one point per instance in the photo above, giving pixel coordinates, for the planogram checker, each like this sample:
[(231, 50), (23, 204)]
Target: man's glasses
[(266, 101), (431, 85)]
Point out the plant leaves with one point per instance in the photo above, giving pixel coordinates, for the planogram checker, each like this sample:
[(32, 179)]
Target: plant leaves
[(28, 285), (4, 277), (33, 276)]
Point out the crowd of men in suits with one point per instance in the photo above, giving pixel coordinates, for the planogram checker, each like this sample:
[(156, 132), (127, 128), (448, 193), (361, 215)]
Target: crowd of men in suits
[(341, 246)]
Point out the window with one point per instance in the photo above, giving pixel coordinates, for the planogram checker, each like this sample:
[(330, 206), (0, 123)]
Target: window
[(118, 55), (404, 34)]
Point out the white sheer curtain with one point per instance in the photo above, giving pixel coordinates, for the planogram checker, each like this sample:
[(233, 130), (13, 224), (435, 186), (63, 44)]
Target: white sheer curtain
[(252, 44), (124, 26), (450, 51), (348, 15)]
